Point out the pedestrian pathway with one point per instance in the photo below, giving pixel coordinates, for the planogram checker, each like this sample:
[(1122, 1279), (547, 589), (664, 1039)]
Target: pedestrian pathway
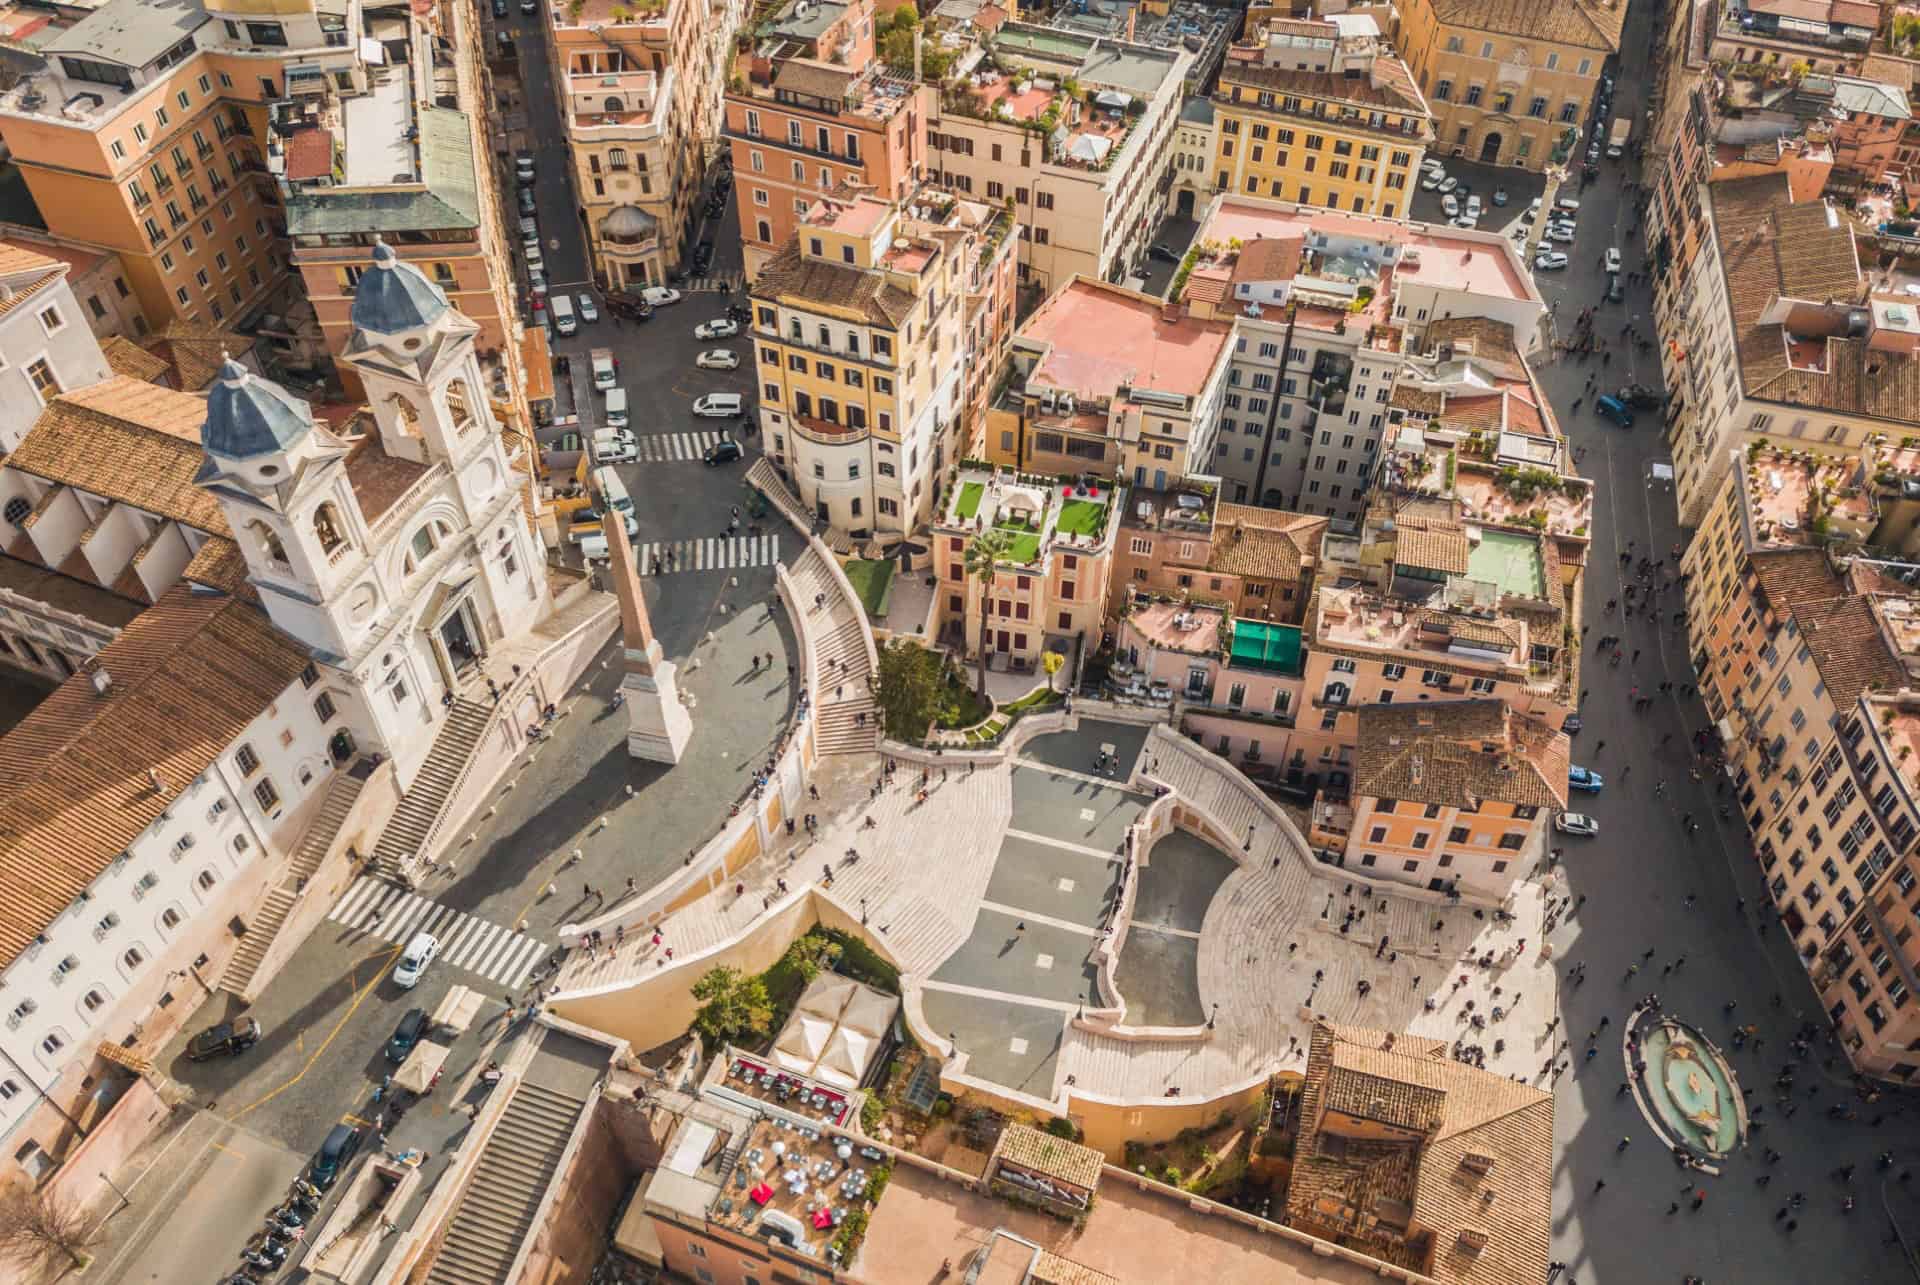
[(724, 282), (668, 448), (467, 942), (719, 553)]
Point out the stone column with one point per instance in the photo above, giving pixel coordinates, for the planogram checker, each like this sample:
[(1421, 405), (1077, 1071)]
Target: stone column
[(658, 725)]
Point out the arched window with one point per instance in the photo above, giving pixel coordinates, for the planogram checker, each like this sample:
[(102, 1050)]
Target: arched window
[(613, 106), (268, 543), (617, 158), (328, 529), (424, 542), (405, 416), (459, 407)]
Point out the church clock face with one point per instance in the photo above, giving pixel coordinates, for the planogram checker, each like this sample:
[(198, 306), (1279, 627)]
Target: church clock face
[(361, 602), (483, 479)]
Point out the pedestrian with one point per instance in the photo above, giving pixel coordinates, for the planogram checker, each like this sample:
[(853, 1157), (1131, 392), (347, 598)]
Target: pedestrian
[(1699, 1197), (1599, 1185)]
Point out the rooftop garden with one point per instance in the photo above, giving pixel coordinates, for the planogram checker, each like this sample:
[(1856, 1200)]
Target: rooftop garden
[(1083, 518), (968, 505)]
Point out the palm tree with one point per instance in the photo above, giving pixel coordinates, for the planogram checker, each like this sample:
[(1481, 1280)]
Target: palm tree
[(983, 556)]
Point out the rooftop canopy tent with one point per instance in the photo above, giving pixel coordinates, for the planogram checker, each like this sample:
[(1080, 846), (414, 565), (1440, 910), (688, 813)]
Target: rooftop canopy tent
[(838, 1027), (417, 1073)]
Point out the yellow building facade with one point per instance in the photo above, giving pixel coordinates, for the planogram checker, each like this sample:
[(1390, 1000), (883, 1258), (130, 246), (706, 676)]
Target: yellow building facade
[(1507, 80), (1343, 128)]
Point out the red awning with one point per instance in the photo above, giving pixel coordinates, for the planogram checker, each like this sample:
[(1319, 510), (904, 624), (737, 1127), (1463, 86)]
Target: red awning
[(761, 1195)]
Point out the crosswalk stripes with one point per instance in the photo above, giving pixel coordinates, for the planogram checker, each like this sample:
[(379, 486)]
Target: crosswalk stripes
[(724, 282), (718, 553), (668, 448), (467, 941)]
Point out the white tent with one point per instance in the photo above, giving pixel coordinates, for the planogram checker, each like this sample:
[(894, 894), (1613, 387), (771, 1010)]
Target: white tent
[(835, 1032)]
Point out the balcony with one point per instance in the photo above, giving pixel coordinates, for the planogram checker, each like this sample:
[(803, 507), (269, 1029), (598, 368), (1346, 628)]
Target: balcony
[(825, 432)]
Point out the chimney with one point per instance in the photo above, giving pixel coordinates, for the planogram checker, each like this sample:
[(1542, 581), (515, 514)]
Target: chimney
[(917, 40), (102, 681), (156, 782)]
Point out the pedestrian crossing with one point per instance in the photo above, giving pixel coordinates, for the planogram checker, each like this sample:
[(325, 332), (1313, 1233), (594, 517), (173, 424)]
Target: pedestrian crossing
[(670, 448), (724, 282), (717, 554), (467, 942)]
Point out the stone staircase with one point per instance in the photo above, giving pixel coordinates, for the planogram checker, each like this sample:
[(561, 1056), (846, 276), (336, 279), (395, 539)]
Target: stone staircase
[(841, 682), (312, 850), (497, 1209), (409, 830), (766, 479)]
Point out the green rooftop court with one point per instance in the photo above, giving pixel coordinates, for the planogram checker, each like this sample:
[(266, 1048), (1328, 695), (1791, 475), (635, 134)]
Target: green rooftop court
[(1511, 561), (1082, 517), (1273, 649), (969, 502), (1023, 545)]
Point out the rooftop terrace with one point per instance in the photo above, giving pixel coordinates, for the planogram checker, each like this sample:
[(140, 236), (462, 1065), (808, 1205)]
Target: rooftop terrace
[(1036, 513), (1102, 338), (1793, 498)]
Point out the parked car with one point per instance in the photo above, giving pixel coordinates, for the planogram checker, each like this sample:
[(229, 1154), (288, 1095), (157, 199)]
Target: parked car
[(1612, 263), (1499, 196), (1560, 232), (1614, 409), (1448, 184), (529, 6), (588, 312), (702, 257), (1430, 180), (1163, 253), (536, 281), (659, 296), (412, 1028), (1551, 261), (1473, 206), (499, 8), (421, 951), (1450, 206), (224, 1040), (1468, 221), (1585, 778), (717, 359), (718, 328), (1640, 397), (525, 201), (536, 261), (722, 452), (1432, 165), (523, 167), (1533, 211), (1572, 724), (719, 405), (335, 1154), (1576, 823)]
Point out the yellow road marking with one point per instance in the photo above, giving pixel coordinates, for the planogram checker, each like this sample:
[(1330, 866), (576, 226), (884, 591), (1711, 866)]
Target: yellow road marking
[(358, 999)]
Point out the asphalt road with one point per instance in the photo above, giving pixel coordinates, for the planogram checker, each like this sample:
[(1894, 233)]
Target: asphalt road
[(1637, 878)]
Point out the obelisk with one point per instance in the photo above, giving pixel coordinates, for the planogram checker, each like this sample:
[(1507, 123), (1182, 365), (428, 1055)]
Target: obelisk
[(657, 723)]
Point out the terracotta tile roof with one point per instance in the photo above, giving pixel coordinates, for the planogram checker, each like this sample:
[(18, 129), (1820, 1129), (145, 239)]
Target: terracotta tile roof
[(220, 565), (1392, 93), (1433, 550), (126, 440), (63, 593), (1048, 1268), (1484, 1164), (1055, 1157), (1585, 24), (1375, 1083), (1493, 341), (1848, 648), (310, 153), (1437, 752), (1264, 544), (1205, 287), (379, 479), (1268, 258), (20, 265), (124, 357), (1422, 400), (813, 79), (792, 276), (1772, 248), (188, 675), (1789, 577), (194, 351)]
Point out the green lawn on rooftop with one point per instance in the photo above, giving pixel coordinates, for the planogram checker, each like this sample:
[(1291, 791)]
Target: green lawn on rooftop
[(1023, 546), (1082, 517), (870, 578), (970, 493)]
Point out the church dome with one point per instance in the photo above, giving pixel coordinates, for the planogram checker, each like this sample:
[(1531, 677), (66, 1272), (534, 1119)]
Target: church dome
[(628, 224), (395, 297), (248, 416)]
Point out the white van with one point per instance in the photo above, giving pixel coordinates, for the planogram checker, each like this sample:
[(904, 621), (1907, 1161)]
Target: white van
[(616, 404), (564, 319), (718, 405), (420, 952), (615, 446), (613, 492)]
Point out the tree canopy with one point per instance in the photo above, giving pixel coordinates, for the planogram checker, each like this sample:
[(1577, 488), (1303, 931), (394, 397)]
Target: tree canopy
[(732, 1004)]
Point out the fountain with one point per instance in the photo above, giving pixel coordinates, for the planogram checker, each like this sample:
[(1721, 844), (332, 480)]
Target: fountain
[(1689, 1085)]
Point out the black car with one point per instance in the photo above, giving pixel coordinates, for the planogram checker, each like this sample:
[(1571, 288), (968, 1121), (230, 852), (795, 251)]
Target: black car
[(224, 1040), (406, 1035), (703, 256), (499, 8), (1163, 253), (724, 183), (335, 1154), (722, 452)]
